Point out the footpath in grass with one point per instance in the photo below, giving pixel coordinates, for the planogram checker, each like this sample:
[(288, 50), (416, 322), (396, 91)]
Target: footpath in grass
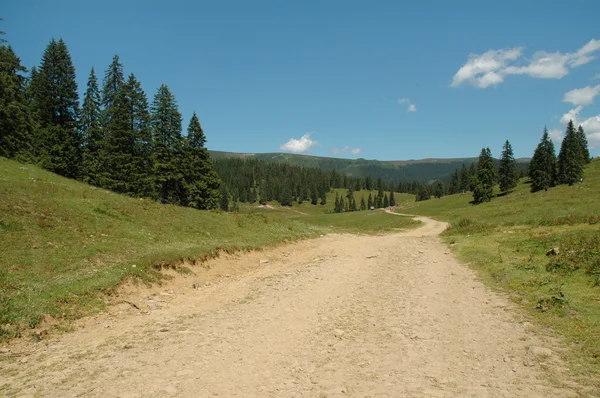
[(507, 241), (65, 244)]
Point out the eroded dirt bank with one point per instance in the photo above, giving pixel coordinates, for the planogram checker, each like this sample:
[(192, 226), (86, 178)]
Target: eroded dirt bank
[(342, 315)]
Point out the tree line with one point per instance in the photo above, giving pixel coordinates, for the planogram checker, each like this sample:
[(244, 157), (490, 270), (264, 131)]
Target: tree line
[(545, 169), (116, 139), (256, 181)]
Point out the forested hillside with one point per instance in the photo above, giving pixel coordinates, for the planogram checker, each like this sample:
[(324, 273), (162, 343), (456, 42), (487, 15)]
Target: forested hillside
[(116, 138)]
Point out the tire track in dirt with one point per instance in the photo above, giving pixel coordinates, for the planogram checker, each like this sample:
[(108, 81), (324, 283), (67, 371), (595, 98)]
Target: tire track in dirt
[(343, 315)]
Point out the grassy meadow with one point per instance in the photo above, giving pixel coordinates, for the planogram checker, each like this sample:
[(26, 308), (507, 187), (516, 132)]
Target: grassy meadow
[(64, 245), (506, 241)]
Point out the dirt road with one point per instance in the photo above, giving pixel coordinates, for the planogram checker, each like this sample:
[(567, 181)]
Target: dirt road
[(342, 315)]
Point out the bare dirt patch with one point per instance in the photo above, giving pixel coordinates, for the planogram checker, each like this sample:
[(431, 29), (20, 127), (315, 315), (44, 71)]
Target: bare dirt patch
[(342, 315)]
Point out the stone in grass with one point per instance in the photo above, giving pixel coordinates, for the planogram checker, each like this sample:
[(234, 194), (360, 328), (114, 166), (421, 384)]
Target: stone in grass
[(539, 352)]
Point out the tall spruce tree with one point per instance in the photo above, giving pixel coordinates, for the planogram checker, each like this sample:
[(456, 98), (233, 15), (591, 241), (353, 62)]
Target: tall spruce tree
[(392, 199), (201, 180), (542, 168), (114, 79), (56, 104), (141, 179), (464, 179), (15, 119), (486, 177), (584, 144), (507, 171), (127, 144), (571, 157), (168, 146), (91, 129)]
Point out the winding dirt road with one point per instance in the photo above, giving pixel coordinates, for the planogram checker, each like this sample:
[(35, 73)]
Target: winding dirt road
[(343, 315)]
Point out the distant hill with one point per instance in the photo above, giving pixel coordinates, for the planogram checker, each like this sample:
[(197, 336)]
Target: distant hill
[(393, 170)]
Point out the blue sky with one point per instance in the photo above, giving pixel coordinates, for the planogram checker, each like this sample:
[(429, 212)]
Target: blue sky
[(388, 80)]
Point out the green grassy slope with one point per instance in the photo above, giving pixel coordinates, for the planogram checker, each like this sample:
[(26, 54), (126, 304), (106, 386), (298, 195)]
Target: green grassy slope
[(506, 241), (63, 243)]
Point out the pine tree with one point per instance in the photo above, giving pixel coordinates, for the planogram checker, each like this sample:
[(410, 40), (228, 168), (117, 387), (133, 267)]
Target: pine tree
[(370, 201), (92, 135), (464, 179), (15, 119), (486, 177), (472, 177), (167, 145), (114, 79), (386, 201), (363, 205), (56, 104), (392, 199), (422, 193), (224, 201), (507, 171), (201, 180), (285, 196), (454, 183), (543, 167), (583, 144), (571, 157), (438, 191), (314, 199)]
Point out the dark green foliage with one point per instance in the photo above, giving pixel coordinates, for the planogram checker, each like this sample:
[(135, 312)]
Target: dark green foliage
[(114, 79), (285, 196), (392, 199), (126, 148), (386, 201), (15, 119), (583, 144), (56, 104), (423, 193), (464, 179), (224, 201), (571, 157), (168, 147), (454, 183), (370, 202), (314, 198), (542, 168), (92, 134), (486, 178), (201, 181), (339, 205), (507, 172), (438, 190), (363, 205), (472, 177)]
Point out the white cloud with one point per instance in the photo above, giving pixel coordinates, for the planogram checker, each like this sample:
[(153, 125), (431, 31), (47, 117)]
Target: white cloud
[(582, 96), (346, 149), (556, 134), (490, 68), (571, 115), (485, 66), (411, 106), (591, 127), (304, 144)]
